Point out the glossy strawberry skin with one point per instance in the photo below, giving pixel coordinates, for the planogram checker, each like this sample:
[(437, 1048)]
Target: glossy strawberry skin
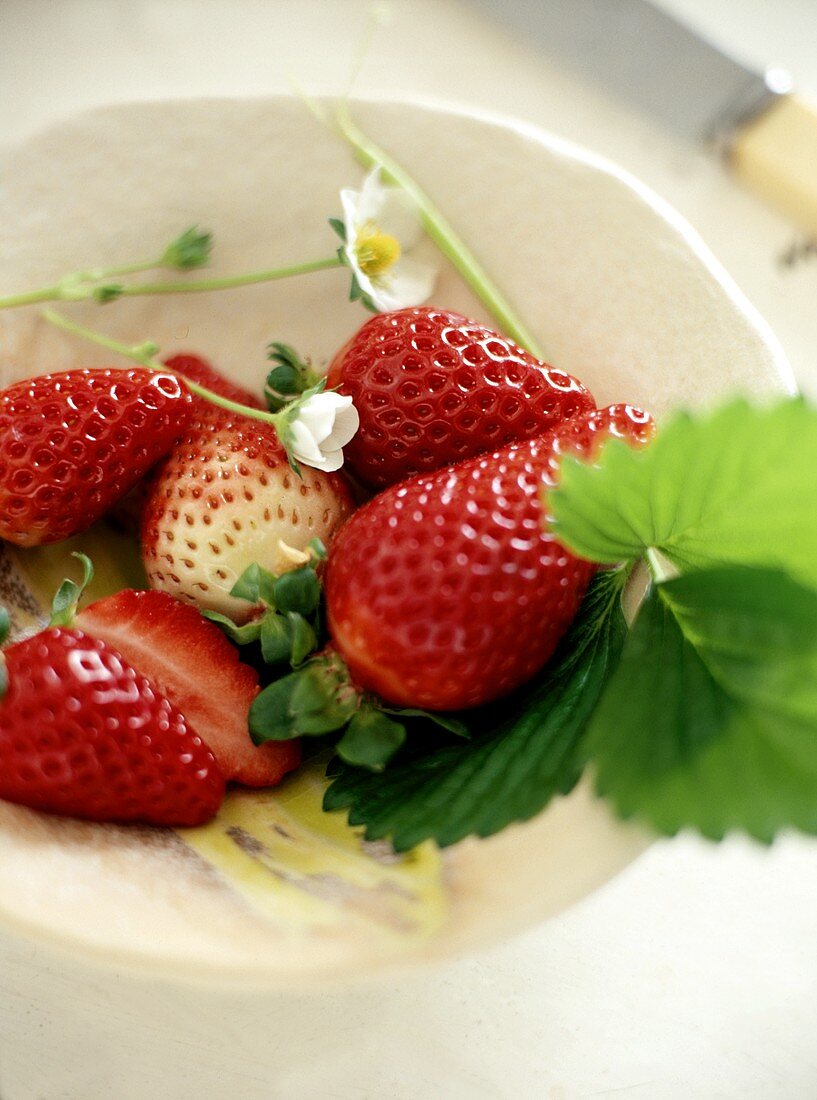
[(72, 444), (433, 388), (224, 498), (448, 591), (84, 734), (191, 662)]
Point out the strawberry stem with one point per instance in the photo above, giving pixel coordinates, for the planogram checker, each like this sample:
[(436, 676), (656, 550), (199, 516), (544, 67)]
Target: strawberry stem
[(229, 282), (441, 232), (91, 284), (145, 355)]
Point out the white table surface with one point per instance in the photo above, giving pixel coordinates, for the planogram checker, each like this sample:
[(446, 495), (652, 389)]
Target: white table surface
[(694, 974)]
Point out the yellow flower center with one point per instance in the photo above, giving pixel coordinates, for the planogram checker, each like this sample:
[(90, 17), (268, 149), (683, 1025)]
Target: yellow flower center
[(375, 250)]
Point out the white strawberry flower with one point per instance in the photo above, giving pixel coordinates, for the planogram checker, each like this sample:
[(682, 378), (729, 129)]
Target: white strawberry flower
[(380, 228), (319, 428)]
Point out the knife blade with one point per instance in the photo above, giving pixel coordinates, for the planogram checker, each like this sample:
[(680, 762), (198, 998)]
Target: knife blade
[(765, 132)]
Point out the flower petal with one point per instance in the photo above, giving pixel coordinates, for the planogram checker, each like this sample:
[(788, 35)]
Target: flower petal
[(318, 413), (303, 446), (371, 198), (409, 283), (331, 461), (398, 216), (347, 423)]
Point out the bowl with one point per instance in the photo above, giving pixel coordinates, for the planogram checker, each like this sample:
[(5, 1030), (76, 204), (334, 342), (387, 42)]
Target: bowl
[(621, 292)]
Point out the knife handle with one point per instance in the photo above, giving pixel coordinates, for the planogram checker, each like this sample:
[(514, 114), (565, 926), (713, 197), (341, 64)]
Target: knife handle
[(776, 156)]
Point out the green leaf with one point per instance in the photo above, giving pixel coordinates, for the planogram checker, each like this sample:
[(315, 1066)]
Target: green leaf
[(757, 631), (710, 720), (298, 590), (270, 716), (735, 486), (241, 635), (525, 753), (371, 739), (64, 604), (318, 549), (191, 249)]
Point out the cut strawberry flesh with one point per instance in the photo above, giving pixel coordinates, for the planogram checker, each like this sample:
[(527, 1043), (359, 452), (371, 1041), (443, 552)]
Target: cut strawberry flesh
[(199, 670)]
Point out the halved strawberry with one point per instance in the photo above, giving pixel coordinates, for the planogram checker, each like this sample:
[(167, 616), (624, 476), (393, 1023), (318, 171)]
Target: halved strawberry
[(83, 733), (199, 670)]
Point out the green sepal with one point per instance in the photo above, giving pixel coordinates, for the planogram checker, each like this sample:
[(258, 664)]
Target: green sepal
[(276, 639), (290, 378), (318, 549), (358, 294), (297, 590), (370, 739), (444, 721), (108, 292), (355, 292), (270, 717), (316, 699), (248, 585), (64, 604), (190, 249), (286, 637), (323, 699), (304, 639), (241, 635), (339, 227)]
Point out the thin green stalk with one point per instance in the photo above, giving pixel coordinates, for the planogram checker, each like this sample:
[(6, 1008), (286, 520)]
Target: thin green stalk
[(144, 354), (30, 297), (230, 281), (86, 284), (441, 232)]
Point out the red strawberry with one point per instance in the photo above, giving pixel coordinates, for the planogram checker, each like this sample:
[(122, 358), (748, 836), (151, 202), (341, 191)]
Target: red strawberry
[(225, 498), (200, 370), (74, 443), (448, 591), (191, 661), (433, 388), (83, 733)]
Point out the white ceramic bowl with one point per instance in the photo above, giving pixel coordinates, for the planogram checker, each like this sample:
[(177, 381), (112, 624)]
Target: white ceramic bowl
[(621, 292)]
